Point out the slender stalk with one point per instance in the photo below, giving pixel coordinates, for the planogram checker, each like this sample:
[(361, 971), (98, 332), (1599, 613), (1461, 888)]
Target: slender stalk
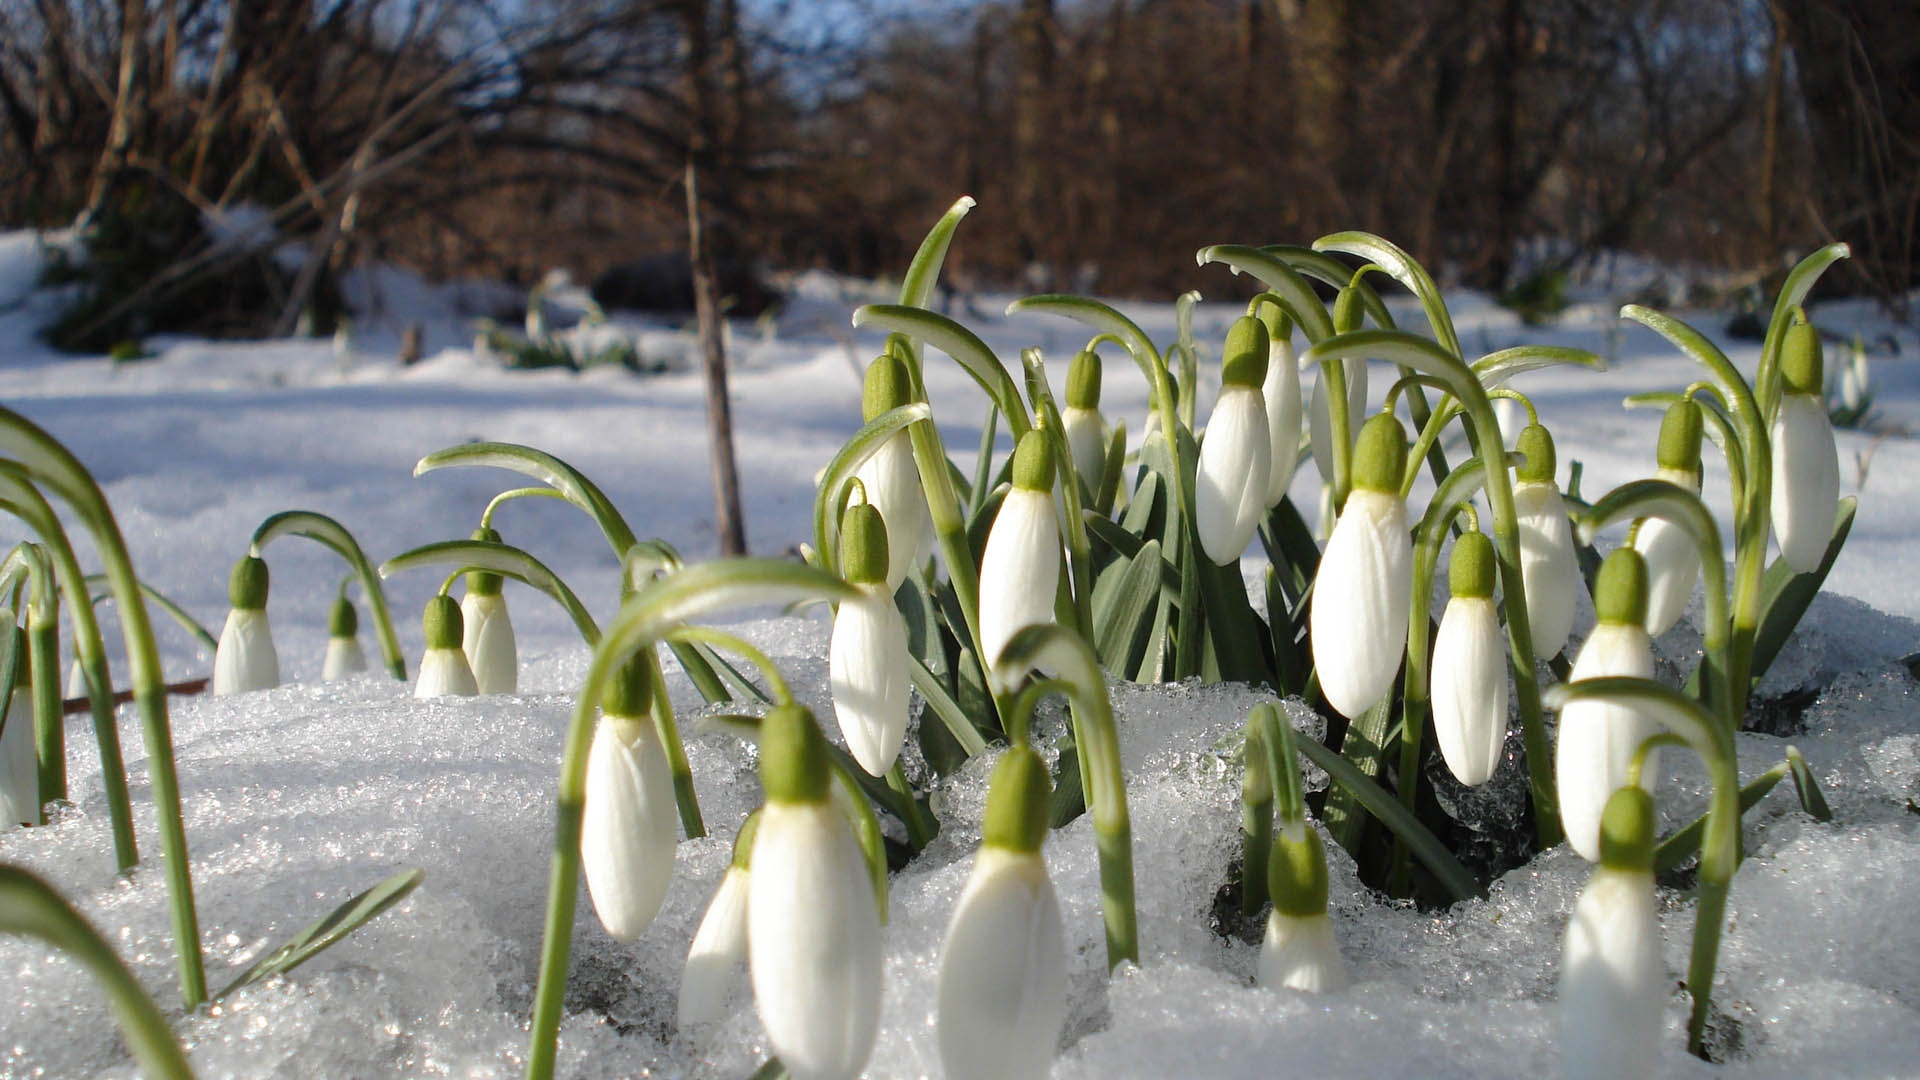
[(334, 536), (692, 825), (30, 560), (1256, 822), (493, 505)]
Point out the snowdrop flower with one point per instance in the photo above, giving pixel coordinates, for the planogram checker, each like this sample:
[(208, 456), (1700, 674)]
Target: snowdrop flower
[(1612, 978), (19, 764), (720, 945), (813, 927), (1469, 684), (444, 670), (1003, 968), (627, 828), (867, 656), (1806, 464), (1346, 316), (1281, 391), (890, 477), (1358, 621), (1549, 568), (344, 655), (1020, 569), (1856, 382), (244, 659), (487, 634), (1598, 740), (1673, 559), (1236, 455), (1299, 950), (1086, 430)]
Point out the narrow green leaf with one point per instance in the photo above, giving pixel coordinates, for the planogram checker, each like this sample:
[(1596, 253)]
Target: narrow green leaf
[(1323, 267), (1365, 748), (1800, 281), (1425, 847), (340, 922), (1403, 268), (1497, 368), (1123, 612), (160, 600), (1274, 272), (1811, 800), (944, 708), (916, 288), (1785, 595), (1685, 841), (460, 556), (966, 348), (983, 463)]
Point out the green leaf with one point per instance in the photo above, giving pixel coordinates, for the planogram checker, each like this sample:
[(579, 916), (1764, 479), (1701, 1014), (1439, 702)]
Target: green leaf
[(1323, 267), (1785, 595), (966, 348), (1274, 272), (1123, 608), (924, 271), (544, 467), (503, 559), (1364, 747), (1685, 841), (944, 708), (1398, 820), (1804, 785), (340, 922), (1402, 268), (1800, 281), (1497, 368), (179, 614)]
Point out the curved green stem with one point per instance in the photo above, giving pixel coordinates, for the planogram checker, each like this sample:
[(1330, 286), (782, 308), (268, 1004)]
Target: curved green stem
[(1719, 428), (972, 354), (506, 560), (1800, 282), (840, 471), (739, 646), (1400, 266), (167, 605), (494, 504), (331, 534), (572, 484)]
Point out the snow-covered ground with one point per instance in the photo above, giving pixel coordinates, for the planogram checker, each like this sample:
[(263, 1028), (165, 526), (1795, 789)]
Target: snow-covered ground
[(297, 797)]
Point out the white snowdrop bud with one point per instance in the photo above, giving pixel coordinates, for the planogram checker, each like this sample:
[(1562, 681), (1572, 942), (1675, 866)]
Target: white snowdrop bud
[(890, 477), (1230, 482), (1281, 392), (1673, 561), (486, 635), (1020, 569), (444, 671), (1597, 740), (19, 764), (1549, 567), (867, 655), (627, 829), (244, 659), (720, 945), (1806, 463), (1358, 622), (1299, 950), (344, 655), (1612, 978), (813, 928), (1085, 429), (1469, 685)]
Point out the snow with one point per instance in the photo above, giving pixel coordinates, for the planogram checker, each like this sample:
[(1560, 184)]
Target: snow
[(301, 796)]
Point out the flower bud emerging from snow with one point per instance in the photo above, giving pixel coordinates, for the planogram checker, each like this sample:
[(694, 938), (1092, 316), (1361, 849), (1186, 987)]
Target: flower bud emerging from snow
[(1673, 560), (1358, 621), (487, 633), (444, 670), (890, 477), (1597, 740), (1281, 391), (1806, 464), (720, 945), (344, 655), (1003, 968), (1469, 690), (1020, 569), (813, 928), (1612, 978), (19, 764), (627, 829), (245, 659), (867, 656), (1299, 950), (1236, 454), (1086, 431), (1549, 567)]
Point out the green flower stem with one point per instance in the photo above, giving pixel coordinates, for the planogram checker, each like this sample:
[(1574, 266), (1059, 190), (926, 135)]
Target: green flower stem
[(21, 499), (1055, 648), (1067, 481), (1638, 764), (50, 463), (1256, 822), (746, 650), (493, 505), (667, 726), (1397, 264), (839, 473), (1719, 428), (866, 832), (920, 829), (43, 657), (462, 556), (1800, 281), (572, 485), (1423, 355), (331, 534), (1720, 854), (644, 618), (31, 907)]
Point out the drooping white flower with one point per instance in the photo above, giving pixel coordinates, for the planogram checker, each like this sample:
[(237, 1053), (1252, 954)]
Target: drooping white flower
[(1299, 951), (1020, 569), (19, 764), (1003, 967), (1612, 978), (1806, 463), (444, 670), (1281, 392), (890, 477), (487, 632), (1469, 682), (1549, 566), (1673, 560), (867, 655), (813, 927), (1085, 429), (627, 830), (344, 655), (1597, 740), (719, 946), (1236, 454), (244, 659), (1358, 621)]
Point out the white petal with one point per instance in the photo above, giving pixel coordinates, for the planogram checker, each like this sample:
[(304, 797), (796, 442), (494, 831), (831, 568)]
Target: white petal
[(1020, 570), (1300, 952), (813, 936), (892, 482), (867, 669), (1320, 422), (487, 639), (19, 765), (1003, 972), (1549, 569), (627, 831), (344, 658), (719, 948), (245, 659), (1806, 481), (1673, 566), (445, 673), (1469, 692), (1087, 441), (1281, 392), (1230, 484), (1612, 979), (1359, 616), (1597, 740)]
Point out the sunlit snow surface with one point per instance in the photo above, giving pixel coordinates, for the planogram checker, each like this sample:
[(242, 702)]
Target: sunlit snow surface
[(299, 797)]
